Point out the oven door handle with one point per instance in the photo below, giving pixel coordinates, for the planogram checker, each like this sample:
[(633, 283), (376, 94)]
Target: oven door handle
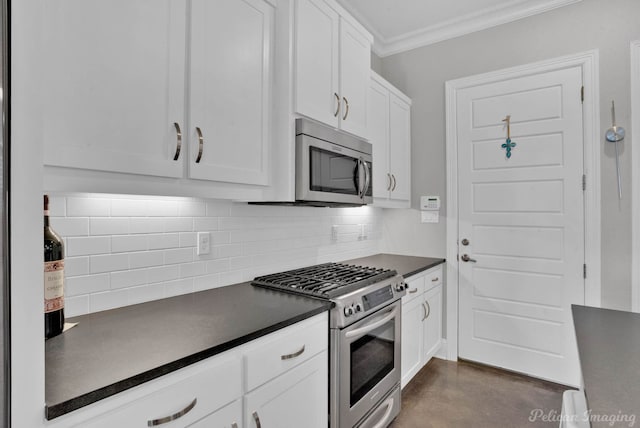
[(372, 325)]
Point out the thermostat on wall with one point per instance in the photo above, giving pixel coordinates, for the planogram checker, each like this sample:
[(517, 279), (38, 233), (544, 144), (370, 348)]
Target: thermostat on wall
[(429, 203)]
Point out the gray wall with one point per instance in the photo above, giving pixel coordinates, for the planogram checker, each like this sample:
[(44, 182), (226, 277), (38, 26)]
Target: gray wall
[(608, 26)]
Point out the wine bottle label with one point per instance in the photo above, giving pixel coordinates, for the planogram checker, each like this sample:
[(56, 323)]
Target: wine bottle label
[(53, 285)]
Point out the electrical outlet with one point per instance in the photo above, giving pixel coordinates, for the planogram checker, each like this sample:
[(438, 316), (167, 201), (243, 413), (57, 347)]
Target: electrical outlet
[(204, 243), (363, 232), (334, 233)]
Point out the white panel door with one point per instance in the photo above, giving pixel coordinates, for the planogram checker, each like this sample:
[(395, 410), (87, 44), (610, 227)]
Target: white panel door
[(524, 219), (412, 335), (317, 55), (114, 84), (355, 69), (230, 95), (432, 322), (379, 138), (400, 148)]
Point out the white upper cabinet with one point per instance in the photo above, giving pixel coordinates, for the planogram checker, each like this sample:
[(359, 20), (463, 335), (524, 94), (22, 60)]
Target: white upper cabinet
[(355, 66), (390, 134), (332, 63), (317, 41), (114, 85), (157, 88), (230, 97)]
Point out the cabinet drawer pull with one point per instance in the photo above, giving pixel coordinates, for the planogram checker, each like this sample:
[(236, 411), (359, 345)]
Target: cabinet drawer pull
[(346, 108), (181, 413), (337, 106), (415, 290), (200, 144), (435, 279), (256, 418), (295, 354), (394, 182), (178, 142)]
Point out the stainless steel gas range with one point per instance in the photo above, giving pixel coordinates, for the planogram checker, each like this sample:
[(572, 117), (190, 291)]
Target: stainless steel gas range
[(364, 359)]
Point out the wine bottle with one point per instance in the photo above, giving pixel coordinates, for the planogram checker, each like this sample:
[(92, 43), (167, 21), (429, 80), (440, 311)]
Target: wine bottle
[(53, 278)]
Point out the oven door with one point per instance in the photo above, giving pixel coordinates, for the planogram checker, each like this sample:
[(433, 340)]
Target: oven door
[(368, 363), (329, 172)]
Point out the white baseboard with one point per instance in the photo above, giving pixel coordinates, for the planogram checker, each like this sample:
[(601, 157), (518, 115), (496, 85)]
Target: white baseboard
[(443, 351)]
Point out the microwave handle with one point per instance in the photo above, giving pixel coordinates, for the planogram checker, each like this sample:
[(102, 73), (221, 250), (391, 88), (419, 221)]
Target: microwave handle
[(362, 184), (367, 178)]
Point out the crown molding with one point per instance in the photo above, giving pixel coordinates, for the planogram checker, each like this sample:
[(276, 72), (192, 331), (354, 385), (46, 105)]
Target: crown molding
[(460, 26)]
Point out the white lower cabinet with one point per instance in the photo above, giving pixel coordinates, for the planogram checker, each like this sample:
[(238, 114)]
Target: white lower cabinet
[(421, 321), (298, 398), (279, 380)]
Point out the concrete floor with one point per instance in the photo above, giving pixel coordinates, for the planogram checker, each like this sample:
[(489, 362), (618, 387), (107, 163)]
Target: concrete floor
[(467, 395)]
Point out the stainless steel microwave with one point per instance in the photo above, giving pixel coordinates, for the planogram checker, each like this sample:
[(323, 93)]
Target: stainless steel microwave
[(332, 168)]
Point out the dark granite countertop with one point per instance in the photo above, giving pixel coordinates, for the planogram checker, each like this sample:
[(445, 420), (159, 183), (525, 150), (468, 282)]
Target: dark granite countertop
[(111, 351), (404, 265), (609, 349)]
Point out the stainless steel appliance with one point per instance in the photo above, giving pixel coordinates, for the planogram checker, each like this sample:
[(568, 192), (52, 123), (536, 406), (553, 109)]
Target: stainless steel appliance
[(332, 168), (364, 372)]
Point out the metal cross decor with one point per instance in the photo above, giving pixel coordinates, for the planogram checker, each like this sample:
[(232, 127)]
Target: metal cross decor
[(508, 144)]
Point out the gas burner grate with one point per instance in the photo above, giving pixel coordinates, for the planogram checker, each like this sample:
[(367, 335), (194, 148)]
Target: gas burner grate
[(326, 281)]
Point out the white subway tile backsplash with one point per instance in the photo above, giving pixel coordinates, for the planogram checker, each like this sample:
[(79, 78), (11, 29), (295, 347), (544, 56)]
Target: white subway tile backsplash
[(123, 250), (108, 263), (146, 259), (88, 207), (181, 255), (128, 243), (88, 246), (70, 226), (129, 278), (109, 226), (163, 241)]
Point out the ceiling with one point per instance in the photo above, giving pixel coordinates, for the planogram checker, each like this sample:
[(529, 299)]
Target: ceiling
[(400, 25)]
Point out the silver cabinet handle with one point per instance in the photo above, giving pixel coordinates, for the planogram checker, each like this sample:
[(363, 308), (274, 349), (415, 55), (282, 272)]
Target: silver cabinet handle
[(295, 354), (466, 258), (394, 182), (435, 279), (387, 414), (256, 418), (166, 419), (337, 106), (200, 144), (346, 110), (415, 290), (178, 142), (424, 308), (428, 309), (389, 177)]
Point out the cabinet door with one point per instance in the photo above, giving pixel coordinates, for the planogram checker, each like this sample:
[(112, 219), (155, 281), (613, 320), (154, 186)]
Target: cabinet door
[(317, 38), (400, 148), (114, 84), (230, 416), (433, 323), (298, 398), (230, 90), (378, 124), (355, 71), (412, 338)]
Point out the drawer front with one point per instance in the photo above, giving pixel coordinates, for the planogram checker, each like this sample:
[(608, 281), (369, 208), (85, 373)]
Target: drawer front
[(185, 401), (280, 351), (416, 288), (433, 278)]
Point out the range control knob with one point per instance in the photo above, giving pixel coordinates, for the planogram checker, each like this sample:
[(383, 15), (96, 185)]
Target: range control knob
[(406, 286), (348, 311), (400, 286), (358, 307)]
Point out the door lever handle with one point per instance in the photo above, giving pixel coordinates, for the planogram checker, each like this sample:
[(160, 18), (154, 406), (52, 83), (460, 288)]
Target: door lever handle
[(466, 258)]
